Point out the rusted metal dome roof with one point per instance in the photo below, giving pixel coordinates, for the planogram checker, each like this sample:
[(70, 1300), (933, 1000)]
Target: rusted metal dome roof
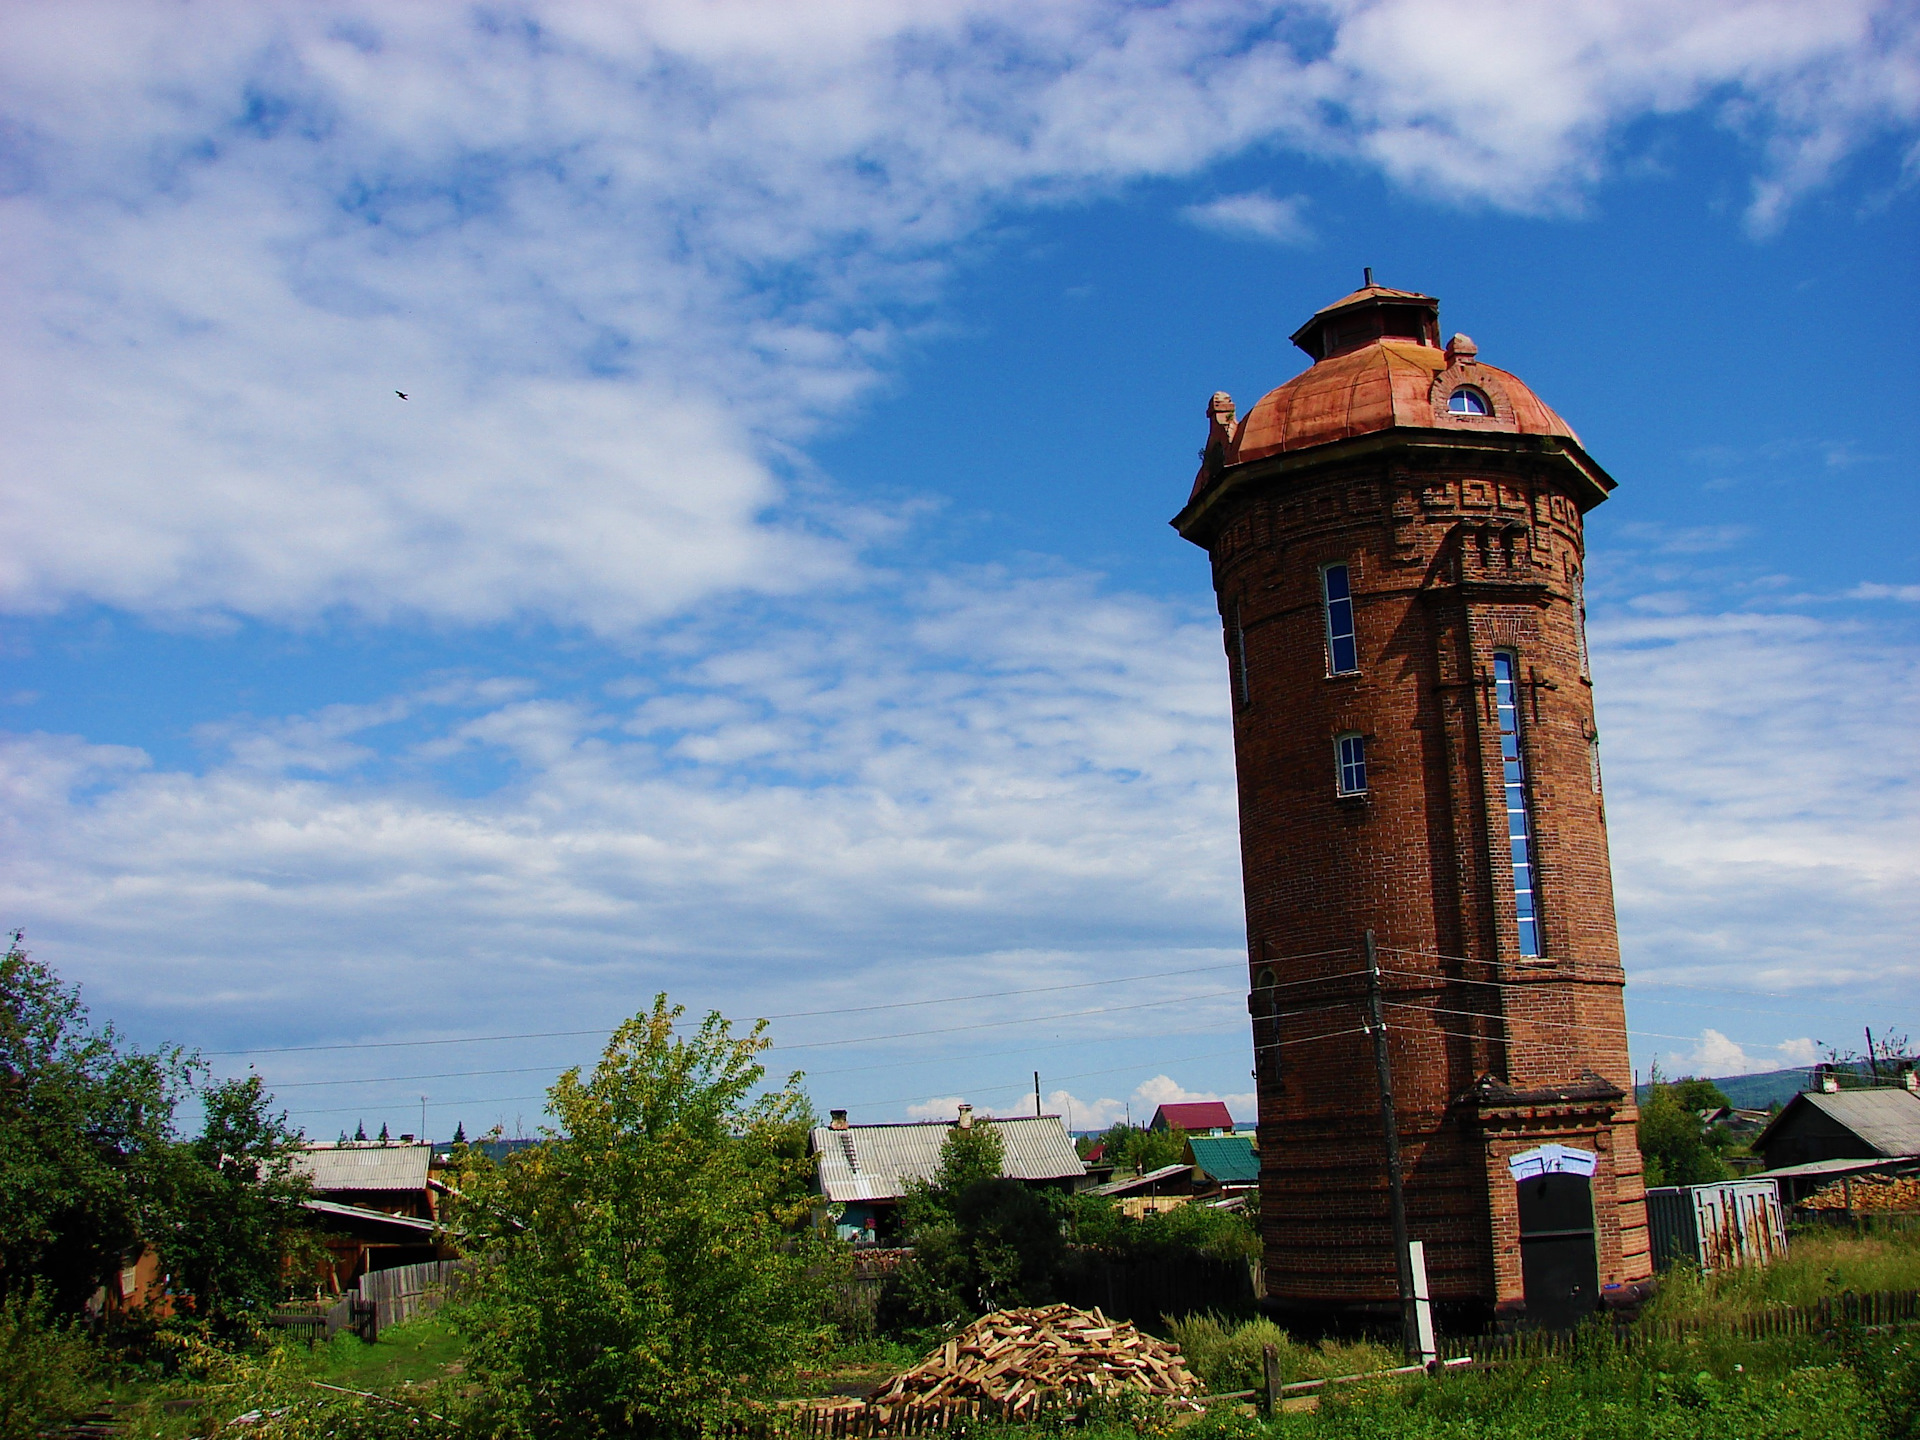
[(1374, 383)]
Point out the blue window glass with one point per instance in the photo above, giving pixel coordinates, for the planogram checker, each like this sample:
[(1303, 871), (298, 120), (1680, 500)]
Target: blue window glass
[(1519, 815), (1352, 750), (1465, 401), (1343, 656)]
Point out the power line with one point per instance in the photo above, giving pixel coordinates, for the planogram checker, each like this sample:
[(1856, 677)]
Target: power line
[(789, 1015), (977, 1089), (810, 1074)]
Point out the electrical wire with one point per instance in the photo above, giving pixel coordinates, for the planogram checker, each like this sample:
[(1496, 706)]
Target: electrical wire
[(810, 1074), (789, 1015)]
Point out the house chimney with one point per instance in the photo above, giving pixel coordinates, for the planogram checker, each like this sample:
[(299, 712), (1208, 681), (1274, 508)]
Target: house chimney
[(965, 1122), (405, 1138), (839, 1121), (1829, 1081)]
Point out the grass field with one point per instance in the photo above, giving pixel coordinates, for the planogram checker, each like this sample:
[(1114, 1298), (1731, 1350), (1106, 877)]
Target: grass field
[(1708, 1385)]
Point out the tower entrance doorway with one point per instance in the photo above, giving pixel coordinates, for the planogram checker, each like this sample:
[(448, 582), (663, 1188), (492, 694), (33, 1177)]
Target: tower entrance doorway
[(1559, 1259)]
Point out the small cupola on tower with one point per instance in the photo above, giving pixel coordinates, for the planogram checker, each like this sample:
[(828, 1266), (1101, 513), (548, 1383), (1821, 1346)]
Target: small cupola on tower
[(1373, 312)]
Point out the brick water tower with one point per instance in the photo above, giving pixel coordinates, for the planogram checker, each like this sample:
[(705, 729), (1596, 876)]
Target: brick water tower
[(1396, 537)]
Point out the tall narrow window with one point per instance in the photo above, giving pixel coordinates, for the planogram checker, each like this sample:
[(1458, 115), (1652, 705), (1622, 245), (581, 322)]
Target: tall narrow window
[(1343, 656), (1519, 813), (1580, 623), (1350, 754), (1237, 656)]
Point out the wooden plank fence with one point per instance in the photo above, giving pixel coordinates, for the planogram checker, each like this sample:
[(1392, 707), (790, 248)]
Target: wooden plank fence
[(381, 1298), (852, 1421), (1878, 1310), (407, 1292)]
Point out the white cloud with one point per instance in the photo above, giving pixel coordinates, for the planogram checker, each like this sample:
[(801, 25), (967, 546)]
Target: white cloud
[(1165, 1090), (1761, 797), (1870, 590), (983, 759), (1255, 215), (1715, 1055), (625, 258), (940, 1107)]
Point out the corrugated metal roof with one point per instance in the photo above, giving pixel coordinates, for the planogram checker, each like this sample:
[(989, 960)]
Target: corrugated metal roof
[(1813, 1169), (877, 1162), (357, 1212), (1230, 1159), (1192, 1115), (1139, 1182), (332, 1168), (1888, 1120)]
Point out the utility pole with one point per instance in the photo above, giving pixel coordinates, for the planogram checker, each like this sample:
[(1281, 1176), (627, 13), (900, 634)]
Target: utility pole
[(1036, 1094), (1390, 1132)]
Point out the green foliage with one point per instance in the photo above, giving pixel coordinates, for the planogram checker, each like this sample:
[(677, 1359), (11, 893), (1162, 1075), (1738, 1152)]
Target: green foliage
[(48, 1373), (647, 1268), (1094, 1220), (1673, 1141), (86, 1132), (1817, 1265), (980, 1242), (1129, 1147), (92, 1169), (1695, 1094), (1229, 1357), (228, 1207)]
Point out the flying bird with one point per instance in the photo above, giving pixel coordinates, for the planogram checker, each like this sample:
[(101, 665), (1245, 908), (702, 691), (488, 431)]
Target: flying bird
[(401, 393)]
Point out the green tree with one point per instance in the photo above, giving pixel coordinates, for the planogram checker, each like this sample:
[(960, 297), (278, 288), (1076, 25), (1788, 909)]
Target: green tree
[(228, 1208), (647, 1267), (1694, 1094), (1129, 1147), (86, 1131), (1673, 1141)]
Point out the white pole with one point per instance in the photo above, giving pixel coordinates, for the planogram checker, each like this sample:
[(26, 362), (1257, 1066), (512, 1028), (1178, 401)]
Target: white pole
[(1422, 1304)]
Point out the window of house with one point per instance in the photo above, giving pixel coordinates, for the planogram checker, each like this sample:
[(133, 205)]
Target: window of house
[(1468, 401), (1343, 655), (1519, 814), (1350, 752), (1593, 763)]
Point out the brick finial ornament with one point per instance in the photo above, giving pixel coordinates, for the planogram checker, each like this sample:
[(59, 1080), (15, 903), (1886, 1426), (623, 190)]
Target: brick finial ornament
[(1396, 538)]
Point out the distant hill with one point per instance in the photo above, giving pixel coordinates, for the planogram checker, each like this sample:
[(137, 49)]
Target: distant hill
[(1758, 1092)]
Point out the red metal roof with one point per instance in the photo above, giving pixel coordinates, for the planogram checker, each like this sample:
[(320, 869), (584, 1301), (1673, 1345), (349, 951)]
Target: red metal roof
[(1194, 1115), (1378, 387)]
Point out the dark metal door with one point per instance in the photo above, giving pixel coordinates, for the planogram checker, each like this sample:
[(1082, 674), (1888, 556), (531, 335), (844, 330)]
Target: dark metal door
[(1559, 1265)]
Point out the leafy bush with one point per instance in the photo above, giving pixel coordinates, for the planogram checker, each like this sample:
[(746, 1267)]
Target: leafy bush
[(48, 1373), (1230, 1357), (1096, 1221), (649, 1268)]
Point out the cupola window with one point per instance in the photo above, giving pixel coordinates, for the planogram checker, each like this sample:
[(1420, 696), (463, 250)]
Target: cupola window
[(1468, 401)]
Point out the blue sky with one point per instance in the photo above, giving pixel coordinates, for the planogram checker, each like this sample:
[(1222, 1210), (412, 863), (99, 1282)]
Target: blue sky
[(765, 592)]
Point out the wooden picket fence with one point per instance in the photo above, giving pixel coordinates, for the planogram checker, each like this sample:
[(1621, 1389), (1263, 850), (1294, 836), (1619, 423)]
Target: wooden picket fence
[(1880, 1309)]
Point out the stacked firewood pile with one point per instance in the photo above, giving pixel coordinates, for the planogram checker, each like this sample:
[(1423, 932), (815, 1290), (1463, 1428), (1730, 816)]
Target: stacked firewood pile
[(1011, 1358), (1867, 1192)]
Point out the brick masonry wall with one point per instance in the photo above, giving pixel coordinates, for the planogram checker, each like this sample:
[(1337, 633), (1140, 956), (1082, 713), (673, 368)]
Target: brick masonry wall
[(1454, 551)]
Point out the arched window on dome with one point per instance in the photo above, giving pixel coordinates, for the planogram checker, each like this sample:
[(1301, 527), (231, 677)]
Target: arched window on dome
[(1468, 401)]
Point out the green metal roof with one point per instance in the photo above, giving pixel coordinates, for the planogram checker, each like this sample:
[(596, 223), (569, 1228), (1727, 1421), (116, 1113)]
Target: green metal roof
[(1229, 1159)]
